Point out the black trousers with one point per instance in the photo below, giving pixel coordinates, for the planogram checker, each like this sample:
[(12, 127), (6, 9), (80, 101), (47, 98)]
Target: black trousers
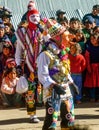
[(65, 114)]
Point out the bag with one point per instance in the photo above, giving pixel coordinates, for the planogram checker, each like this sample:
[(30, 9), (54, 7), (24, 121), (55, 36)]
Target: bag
[(22, 85)]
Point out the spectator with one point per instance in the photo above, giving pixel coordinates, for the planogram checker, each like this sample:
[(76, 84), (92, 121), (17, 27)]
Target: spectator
[(80, 38), (77, 66), (65, 24), (10, 63), (7, 52), (3, 37), (89, 24), (6, 17), (96, 30), (93, 14), (10, 34), (8, 87), (60, 16), (92, 74), (74, 25)]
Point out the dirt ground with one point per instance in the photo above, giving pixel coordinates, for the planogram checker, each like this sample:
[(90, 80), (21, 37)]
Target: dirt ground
[(17, 118)]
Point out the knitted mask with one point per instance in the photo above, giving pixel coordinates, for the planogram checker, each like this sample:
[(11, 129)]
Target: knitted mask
[(33, 19)]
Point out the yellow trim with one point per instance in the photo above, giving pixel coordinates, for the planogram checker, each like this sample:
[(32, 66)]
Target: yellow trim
[(31, 113), (48, 54)]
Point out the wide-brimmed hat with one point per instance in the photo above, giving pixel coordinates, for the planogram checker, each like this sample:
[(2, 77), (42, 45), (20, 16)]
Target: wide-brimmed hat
[(60, 12), (54, 28)]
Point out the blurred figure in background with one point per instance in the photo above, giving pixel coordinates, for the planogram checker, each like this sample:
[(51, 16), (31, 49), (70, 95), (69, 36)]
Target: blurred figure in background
[(60, 16), (94, 14)]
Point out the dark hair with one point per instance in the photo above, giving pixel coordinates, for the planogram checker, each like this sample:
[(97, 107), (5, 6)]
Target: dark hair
[(83, 39), (96, 36), (53, 18), (95, 28), (74, 19), (9, 70), (96, 7)]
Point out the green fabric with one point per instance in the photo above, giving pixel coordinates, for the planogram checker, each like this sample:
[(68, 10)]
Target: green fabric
[(82, 44), (86, 33)]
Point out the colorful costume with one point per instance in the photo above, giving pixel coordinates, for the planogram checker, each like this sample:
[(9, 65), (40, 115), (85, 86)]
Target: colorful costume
[(28, 48), (54, 69)]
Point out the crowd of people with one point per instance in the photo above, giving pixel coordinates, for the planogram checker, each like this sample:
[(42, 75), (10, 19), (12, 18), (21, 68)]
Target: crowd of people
[(55, 61)]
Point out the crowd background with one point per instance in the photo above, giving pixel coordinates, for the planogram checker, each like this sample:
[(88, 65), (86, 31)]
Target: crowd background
[(82, 29), (20, 49), (48, 8)]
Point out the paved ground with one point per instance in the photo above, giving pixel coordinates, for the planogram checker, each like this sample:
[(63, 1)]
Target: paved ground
[(17, 119)]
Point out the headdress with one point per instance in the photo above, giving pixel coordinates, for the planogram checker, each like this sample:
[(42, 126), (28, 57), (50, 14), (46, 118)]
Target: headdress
[(54, 28)]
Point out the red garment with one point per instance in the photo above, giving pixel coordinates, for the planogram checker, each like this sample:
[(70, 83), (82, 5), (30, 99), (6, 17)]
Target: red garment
[(77, 63), (92, 78), (92, 73)]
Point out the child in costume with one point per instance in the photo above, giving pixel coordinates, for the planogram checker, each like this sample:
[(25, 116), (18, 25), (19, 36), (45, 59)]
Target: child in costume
[(53, 73)]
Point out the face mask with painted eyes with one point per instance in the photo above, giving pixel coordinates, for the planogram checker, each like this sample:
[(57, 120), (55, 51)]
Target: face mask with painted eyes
[(34, 18)]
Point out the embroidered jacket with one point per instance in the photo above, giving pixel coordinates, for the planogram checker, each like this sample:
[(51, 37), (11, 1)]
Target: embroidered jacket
[(52, 69)]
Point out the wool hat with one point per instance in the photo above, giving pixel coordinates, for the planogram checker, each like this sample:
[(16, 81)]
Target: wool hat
[(54, 28), (31, 5), (10, 61), (34, 11), (89, 19), (32, 23), (7, 44)]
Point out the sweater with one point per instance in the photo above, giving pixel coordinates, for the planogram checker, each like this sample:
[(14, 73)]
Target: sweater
[(77, 63)]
